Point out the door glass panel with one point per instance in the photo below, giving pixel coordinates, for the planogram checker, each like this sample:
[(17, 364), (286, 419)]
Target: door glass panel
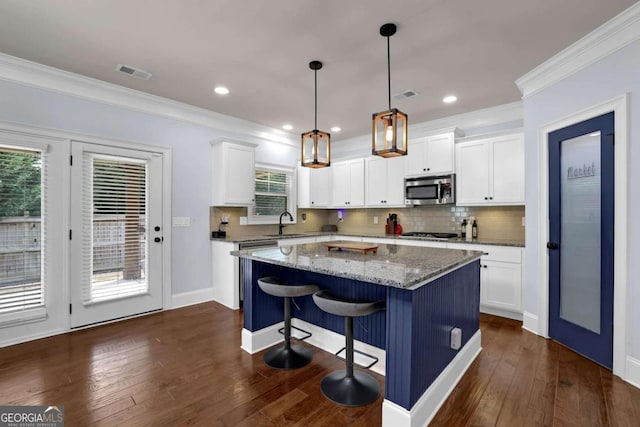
[(580, 231), (119, 227)]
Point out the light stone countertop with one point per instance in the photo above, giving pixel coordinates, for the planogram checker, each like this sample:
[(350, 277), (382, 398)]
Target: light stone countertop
[(392, 265), (258, 238)]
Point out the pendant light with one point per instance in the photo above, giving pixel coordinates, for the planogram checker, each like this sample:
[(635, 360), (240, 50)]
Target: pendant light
[(389, 127), (316, 144)]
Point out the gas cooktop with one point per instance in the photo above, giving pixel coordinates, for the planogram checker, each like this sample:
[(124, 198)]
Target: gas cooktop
[(430, 234)]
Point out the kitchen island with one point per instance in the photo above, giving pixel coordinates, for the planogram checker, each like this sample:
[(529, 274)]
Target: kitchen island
[(428, 292)]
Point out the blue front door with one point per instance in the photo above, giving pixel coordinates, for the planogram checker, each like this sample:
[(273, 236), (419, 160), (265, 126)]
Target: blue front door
[(581, 208)]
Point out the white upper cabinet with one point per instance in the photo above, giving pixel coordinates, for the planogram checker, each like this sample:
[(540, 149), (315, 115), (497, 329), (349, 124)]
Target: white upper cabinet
[(384, 181), (233, 164), (431, 155), (320, 187), (490, 171), (348, 184), (303, 186)]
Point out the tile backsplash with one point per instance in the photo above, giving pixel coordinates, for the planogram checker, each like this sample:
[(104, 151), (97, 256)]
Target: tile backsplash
[(495, 222)]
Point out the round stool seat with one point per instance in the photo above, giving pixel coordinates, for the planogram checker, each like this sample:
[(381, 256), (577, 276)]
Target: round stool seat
[(276, 287), (346, 308)]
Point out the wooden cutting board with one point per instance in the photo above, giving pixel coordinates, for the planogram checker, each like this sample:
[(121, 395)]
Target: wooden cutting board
[(353, 246)]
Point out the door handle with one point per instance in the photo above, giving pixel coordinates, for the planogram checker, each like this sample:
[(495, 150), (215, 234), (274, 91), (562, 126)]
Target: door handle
[(552, 245), (157, 239)]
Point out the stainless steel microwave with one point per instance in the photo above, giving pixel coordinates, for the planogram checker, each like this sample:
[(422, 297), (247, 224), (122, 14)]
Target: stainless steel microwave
[(430, 190)]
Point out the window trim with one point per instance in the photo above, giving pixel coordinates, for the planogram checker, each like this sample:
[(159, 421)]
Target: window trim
[(292, 202)]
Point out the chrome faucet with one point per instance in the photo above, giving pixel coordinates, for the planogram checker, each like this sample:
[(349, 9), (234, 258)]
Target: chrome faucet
[(280, 226)]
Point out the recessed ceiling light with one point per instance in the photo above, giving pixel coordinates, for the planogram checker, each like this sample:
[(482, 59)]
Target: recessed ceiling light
[(449, 99), (221, 90), (336, 129), (287, 127)]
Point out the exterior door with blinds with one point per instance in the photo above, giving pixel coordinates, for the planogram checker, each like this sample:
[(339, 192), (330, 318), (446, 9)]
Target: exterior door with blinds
[(116, 233)]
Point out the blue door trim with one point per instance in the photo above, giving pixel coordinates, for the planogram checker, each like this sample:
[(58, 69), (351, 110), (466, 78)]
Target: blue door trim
[(597, 347)]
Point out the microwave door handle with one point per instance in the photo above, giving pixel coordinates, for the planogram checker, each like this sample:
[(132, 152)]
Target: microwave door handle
[(440, 191)]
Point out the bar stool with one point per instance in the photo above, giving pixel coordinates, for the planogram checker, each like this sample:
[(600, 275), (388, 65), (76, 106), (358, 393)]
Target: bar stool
[(348, 387), (288, 356)]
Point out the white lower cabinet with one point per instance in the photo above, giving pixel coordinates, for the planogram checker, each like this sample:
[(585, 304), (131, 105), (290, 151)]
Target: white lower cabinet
[(500, 279), (225, 274)]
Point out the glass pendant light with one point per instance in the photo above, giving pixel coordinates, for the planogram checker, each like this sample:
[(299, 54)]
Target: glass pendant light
[(389, 127), (316, 144)]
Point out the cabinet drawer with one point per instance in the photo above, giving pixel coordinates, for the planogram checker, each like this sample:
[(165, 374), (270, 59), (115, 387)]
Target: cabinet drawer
[(492, 253), (502, 253)]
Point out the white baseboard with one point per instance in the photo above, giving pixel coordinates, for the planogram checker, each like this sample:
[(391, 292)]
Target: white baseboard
[(430, 402), (190, 298), (500, 312), (253, 342), (530, 322), (324, 339), (37, 336), (632, 371), (332, 342)]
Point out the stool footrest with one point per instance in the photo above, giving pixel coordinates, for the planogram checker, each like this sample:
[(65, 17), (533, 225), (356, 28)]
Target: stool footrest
[(374, 358), (307, 333)]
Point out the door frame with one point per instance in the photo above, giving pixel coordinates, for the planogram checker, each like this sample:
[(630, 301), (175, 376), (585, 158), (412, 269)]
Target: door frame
[(619, 106), (166, 211)]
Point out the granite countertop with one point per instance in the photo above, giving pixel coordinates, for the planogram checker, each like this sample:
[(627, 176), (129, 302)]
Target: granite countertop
[(258, 238), (393, 265)]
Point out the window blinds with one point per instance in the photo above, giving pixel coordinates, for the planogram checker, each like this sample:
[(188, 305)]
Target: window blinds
[(22, 229), (271, 192), (114, 246)]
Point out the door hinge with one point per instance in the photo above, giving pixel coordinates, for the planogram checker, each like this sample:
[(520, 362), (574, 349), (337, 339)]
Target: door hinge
[(70, 234), (70, 309), (70, 160)]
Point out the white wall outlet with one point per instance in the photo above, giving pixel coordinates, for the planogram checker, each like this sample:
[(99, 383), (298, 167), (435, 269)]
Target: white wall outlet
[(456, 338), (224, 218), (304, 218), (243, 220), (375, 219), (523, 222)]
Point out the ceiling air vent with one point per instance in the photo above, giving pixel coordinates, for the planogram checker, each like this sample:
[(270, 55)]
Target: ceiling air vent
[(134, 72), (406, 94)]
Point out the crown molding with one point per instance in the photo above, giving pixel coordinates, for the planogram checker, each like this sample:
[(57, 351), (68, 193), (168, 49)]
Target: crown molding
[(32, 74), (611, 36)]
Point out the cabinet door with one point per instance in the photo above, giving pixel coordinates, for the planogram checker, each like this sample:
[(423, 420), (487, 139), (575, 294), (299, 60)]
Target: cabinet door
[(341, 184), (356, 183), (395, 181), (241, 179), (507, 167), (472, 179), (376, 173), (439, 154), (415, 163), (501, 285), (320, 193), (303, 187)]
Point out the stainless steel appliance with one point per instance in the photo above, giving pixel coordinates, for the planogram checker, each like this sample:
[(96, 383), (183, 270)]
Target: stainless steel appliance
[(256, 244), (430, 190)]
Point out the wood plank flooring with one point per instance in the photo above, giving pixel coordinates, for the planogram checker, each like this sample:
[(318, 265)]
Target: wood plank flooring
[(185, 367)]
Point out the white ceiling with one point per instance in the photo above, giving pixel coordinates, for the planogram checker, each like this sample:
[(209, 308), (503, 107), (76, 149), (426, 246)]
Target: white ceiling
[(260, 50)]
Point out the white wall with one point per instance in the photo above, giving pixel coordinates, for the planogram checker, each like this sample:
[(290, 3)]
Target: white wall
[(191, 169), (610, 77)]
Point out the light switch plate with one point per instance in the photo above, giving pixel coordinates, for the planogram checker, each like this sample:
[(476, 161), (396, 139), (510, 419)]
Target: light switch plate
[(181, 221), (243, 220), (375, 219)]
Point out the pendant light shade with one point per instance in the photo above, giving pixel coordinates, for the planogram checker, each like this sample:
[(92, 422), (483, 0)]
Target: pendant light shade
[(316, 144), (389, 127)]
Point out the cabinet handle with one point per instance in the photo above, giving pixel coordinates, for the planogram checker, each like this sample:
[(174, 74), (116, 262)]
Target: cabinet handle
[(485, 253), (312, 202), (486, 198), (424, 169), (428, 169), (490, 198)]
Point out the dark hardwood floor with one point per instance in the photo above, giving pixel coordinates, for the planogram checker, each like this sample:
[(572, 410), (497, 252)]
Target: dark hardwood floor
[(185, 367)]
